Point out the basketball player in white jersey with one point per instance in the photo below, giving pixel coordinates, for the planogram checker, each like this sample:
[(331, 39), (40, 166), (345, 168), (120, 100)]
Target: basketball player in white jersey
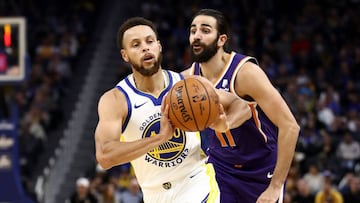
[(134, 126)]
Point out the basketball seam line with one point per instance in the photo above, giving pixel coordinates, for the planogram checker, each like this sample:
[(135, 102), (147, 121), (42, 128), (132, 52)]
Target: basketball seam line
[(173, 112), (191, 107)]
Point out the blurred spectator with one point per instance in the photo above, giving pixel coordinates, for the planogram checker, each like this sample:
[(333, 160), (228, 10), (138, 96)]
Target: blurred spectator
[(124, 178), (82, 193), (69, 46), (290, 94), (31, 146), (303, 194), (343, 185), (293, 177), (47, 47), (314, 178), (348, 152), (133, 193), (352, 195), (328, 106), (97, 186), (328, 193), (327, 156), (109, 195), (310, 140)]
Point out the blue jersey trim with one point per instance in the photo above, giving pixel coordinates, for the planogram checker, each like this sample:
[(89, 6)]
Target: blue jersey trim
[(128, 105), (156, 101)]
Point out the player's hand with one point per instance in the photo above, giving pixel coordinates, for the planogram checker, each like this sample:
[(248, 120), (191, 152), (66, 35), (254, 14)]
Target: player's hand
[(221, 124), (269, 196), (166, 127)]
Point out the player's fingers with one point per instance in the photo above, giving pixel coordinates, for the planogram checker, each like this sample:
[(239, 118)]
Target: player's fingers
[(163, 103), (221, 109), (165, 111)]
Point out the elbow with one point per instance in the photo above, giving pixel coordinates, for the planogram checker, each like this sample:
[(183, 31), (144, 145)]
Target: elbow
[(295, 130), (290, 130), (103, 161)]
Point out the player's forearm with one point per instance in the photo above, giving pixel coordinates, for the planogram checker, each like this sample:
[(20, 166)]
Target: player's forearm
[(115, 153), (286, 147), (237, 113)]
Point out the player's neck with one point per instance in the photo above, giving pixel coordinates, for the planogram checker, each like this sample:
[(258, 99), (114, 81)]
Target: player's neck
[(150, 84), (213, 68)]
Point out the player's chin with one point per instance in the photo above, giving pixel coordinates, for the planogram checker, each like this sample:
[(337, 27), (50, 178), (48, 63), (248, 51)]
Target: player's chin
[(148, 64), (197, 51)]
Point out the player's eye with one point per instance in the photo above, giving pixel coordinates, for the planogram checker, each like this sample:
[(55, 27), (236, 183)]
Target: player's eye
[(135, 44), (206, 31)]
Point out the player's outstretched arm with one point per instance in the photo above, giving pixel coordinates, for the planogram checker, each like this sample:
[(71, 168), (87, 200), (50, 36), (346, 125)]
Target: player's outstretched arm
[(236, 109), (252, 81), (110, 151)]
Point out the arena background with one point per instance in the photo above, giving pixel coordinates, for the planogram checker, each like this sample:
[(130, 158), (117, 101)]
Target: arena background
[(309, 49)]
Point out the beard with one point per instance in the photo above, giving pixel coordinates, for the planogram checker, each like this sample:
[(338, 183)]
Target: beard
[(208, 51), (148, 71)]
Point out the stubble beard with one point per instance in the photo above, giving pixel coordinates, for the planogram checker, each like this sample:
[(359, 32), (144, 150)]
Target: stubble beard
[(148, 71)]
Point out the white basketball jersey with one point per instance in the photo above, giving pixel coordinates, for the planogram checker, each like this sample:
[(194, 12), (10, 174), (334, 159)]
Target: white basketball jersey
[(171, 161)]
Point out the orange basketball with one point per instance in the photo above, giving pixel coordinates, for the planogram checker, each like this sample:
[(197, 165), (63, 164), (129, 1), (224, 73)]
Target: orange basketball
[(193, 104)]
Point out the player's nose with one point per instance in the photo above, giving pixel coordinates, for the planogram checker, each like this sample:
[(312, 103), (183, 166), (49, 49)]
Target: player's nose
[(145, 48), (197, 35)]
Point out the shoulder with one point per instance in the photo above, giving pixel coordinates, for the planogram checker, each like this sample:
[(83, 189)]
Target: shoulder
[(250, 73), (249, 68), (112, 96), (112, 102), (251, 81)]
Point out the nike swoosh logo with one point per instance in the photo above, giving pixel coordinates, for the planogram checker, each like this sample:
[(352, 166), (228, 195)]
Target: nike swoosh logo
[(269, 175), (195, 174), (140, 105)]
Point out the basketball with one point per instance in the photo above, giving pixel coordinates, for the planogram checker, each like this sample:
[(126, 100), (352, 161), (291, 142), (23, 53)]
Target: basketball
[(193, 104)]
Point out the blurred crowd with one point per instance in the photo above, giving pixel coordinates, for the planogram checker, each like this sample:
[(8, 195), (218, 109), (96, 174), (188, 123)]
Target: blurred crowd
[(57, 33), (116, 185), (309, 49)]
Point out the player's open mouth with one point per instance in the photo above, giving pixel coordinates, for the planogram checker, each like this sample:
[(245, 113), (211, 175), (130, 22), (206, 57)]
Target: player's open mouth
[(148, 58), (196, 46)]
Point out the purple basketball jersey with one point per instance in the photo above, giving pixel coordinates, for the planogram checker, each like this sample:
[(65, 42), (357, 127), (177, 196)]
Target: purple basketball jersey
[(244, 157)]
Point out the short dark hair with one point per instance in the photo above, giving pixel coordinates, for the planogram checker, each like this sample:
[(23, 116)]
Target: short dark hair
[(132, 22), (221, 20)]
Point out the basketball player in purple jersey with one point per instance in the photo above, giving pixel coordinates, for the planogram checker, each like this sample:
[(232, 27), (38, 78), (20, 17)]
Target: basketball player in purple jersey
[(252, 160)]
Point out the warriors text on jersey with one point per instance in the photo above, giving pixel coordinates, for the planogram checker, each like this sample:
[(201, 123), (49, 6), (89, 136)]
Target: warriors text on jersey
[(179, 158)]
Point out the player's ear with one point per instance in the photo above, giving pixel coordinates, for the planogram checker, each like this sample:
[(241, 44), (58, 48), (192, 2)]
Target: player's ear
[(160, 46), (124, 55), (222, 40)]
